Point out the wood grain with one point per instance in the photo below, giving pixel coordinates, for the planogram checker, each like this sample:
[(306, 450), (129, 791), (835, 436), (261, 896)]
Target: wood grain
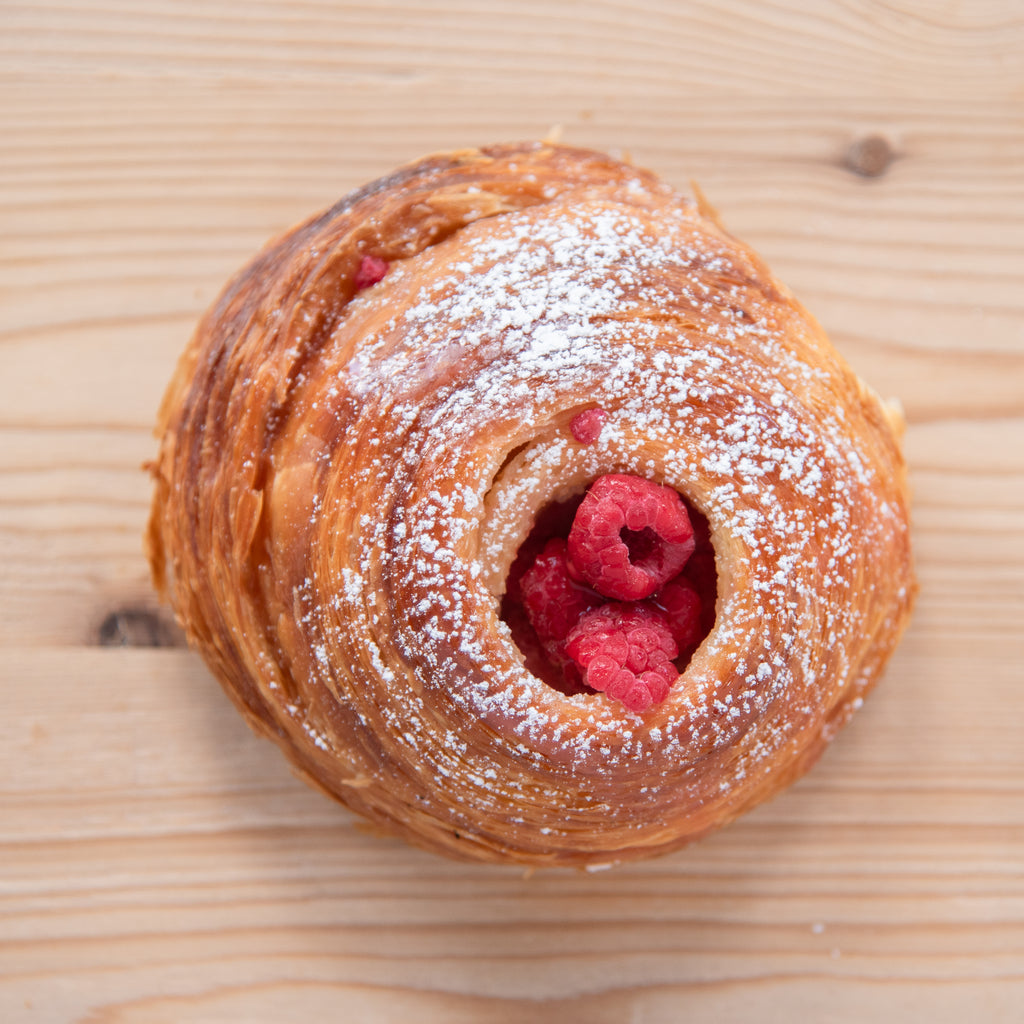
[(159, 863)]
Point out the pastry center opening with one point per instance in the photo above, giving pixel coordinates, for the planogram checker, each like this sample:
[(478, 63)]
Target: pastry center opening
[(613, 591)]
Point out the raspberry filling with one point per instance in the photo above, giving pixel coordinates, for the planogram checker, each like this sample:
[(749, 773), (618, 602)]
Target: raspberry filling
[(629, 536), (371, 270), (554, 603), (626, 650), (614, 591)]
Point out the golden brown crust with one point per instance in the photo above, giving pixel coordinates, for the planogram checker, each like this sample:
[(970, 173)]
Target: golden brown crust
[(343, 481)]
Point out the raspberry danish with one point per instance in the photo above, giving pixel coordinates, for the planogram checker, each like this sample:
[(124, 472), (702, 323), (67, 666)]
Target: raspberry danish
[(528, 513)]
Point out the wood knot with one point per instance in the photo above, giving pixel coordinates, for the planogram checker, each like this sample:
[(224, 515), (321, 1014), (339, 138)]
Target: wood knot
[(869, 156), (137, 627)]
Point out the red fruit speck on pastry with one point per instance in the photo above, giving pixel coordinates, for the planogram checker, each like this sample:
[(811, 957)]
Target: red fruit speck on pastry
[(371, 270), (629, 537), (586, 426)]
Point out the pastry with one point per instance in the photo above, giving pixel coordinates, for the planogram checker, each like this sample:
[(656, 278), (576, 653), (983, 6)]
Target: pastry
[(528, 513)]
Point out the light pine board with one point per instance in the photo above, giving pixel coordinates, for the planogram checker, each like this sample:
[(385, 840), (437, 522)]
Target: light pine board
[(160, 864)]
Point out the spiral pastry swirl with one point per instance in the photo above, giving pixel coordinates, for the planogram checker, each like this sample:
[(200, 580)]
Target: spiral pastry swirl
[(371, 418)]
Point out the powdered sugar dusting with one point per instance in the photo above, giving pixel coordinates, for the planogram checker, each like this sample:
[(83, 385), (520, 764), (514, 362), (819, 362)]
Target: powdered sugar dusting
[(457, 401)]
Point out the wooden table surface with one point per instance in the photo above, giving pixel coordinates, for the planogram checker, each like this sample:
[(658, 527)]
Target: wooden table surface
[(157, 862)]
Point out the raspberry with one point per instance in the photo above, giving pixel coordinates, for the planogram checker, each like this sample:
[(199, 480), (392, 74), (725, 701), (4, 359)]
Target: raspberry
[(554, 520), (629, 536), (700, 570), (553, 602), (371, 270), (586, 426), (546, 605), (625, 650), (683, 608)]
